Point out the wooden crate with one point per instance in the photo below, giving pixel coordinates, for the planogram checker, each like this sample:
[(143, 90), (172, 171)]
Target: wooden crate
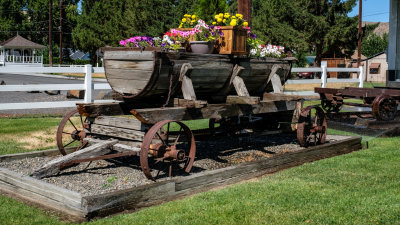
[(233, 41)]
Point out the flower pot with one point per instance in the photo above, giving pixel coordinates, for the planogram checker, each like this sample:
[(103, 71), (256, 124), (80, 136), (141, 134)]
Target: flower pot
[(233, 41), (202, 47)]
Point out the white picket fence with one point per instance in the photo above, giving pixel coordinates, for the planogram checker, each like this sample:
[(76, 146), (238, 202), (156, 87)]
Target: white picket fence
[(89, 86), (324, 78)]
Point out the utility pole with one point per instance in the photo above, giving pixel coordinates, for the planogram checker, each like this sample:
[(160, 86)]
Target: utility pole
[(244, 8), (50, 28), (60, 28), (359, 32)]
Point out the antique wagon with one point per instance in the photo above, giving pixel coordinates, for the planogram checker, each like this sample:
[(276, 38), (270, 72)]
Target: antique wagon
[(162, 89)]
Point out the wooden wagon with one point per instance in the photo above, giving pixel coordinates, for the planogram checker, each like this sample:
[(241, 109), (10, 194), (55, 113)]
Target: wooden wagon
[(162, 89)]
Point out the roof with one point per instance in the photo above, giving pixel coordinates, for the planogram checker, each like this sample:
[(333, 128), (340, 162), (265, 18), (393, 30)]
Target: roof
[(374, 65), (20, 42)]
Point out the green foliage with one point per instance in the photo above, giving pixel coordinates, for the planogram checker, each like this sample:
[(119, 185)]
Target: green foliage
[(306, 24), (12, 18), (206, 9), (374, 44)]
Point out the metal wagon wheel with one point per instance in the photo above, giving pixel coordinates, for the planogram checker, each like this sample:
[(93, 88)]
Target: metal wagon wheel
[(384, 107), (71, 131), (168, 146), (311, 130)]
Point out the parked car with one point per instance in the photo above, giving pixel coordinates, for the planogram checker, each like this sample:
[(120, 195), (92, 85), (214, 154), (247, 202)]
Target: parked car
[(305, 75)]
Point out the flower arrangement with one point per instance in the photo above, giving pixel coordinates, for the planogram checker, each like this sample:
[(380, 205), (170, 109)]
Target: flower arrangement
[(141, 42), (188, 21), (226, 19), (260, 50), (204, 32)]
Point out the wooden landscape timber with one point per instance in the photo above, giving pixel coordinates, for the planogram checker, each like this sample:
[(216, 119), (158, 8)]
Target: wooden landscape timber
[(88, 207)]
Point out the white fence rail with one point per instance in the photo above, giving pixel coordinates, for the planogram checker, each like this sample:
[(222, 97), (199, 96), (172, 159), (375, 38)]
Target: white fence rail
[(87, 85), (324, 78)]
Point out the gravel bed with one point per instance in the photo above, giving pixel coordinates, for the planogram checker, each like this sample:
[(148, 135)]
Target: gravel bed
[(104, 176)]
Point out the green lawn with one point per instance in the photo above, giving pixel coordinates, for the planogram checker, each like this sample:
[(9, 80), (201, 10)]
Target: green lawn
[(357, 188)]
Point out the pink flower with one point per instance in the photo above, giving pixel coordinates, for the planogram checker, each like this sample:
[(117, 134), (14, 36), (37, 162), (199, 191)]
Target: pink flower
[(122, 42)]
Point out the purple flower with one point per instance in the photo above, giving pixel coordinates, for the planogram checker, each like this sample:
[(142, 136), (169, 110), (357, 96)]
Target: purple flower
[(221, 33), (213, 33), (206, 35), (212, 26), (253, 36)]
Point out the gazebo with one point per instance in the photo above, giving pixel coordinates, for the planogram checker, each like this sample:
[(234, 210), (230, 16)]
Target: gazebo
[(20, 51)]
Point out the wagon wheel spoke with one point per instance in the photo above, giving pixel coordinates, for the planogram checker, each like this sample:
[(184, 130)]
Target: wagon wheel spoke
[(69, 132), (157, 159)]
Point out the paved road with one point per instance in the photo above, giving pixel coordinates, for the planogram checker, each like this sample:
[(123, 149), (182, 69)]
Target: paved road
[(18, 97)]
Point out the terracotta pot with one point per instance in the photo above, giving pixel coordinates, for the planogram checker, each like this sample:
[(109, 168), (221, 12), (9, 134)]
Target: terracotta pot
[(202, 47)]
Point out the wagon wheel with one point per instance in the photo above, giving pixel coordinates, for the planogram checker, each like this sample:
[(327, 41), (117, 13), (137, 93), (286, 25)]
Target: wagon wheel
[(384, 107), (311, 130), (71, 131), (165, 150), (331, 105)]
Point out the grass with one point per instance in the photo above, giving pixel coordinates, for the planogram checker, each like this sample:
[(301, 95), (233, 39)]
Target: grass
[(357, 188)]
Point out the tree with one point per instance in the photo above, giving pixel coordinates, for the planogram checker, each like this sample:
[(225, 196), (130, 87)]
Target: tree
[(374, 44), (12, 18), (206, 9), (326, 25)]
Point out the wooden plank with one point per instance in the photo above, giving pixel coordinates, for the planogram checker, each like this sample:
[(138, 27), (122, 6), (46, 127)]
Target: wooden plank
[(240, 87), (226, 175), (281, 97), (242, 100), (128, 123), (153, 115), (189, 103), (117, 132), (125, 148), (276, 83), (52, 167), (129, 55), (50, 152), (144, 196), (107, 109), (127, 65)]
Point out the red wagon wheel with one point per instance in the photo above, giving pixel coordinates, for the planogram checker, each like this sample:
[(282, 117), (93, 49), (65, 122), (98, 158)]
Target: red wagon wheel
[(311, 130), (168, 145), (71, 131), (384, 107)]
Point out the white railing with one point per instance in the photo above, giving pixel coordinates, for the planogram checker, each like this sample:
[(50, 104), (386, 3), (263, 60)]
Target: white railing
[(24, 59), (87, 85), (324, 78)]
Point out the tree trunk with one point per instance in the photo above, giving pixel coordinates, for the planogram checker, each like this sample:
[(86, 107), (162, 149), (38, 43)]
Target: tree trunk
[(318, 54)]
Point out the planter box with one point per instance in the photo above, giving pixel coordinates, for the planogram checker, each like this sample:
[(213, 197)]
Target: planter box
[(233, 41)]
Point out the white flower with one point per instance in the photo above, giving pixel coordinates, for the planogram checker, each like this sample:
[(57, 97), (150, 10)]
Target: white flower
[(253, 51)]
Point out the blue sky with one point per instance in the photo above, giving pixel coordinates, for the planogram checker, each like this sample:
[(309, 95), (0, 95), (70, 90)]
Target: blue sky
[(373, 10)]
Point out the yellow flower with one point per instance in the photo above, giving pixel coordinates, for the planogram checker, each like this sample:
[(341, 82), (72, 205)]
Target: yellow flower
[(233, 17), (193, 21), (239, 15), (221, 15), (216, 17), (184, 20), (233, 22), (245, 24), (214, 23), (188, 16), (227, 15), (219, 20), (193, 16), (224, 20), (180, 25)]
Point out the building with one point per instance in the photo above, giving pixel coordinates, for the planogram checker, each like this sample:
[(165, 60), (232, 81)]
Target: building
[(18, 51), (376, 67)]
